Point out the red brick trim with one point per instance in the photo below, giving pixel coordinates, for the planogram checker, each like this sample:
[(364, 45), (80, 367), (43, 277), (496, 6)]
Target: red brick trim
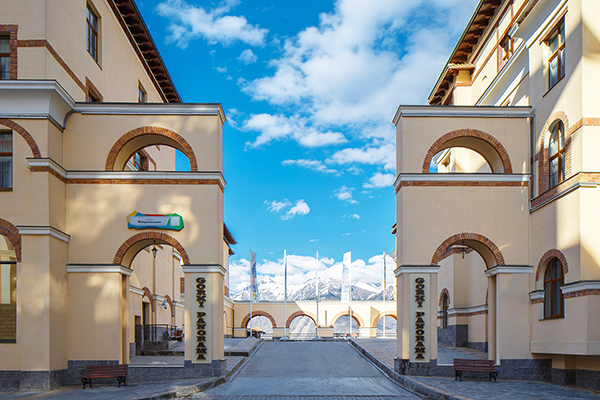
[(565, 186), (298, 314), (90, 87), (158, 236), (170, 303), (446, 140), (50, 171), (461, 184), (258, 313), (145, 182), (21, 131), (183, 145), (380, 315), (581, 293), (454, 250), (536, 301), (468, 236), (542, 156), (148, 294), (11, 232), (355, 316), (12, 33), (467, 314), (550, 254), (444, 291)]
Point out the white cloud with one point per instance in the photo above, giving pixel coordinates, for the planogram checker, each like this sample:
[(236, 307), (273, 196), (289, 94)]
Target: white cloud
[(345, 194), (380, 180), (314, 165), (188, 22), (247, 57), (384, 155), (277, 206), (301, 208), (291, 210), (222, 70), (355, 216)]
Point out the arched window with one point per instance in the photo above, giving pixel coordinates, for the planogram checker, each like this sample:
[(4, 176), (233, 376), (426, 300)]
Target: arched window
[(445, 304), (8, 292), (555, 153), (553, 298)]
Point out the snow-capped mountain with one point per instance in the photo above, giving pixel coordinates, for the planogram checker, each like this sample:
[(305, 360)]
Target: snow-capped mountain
[(329, 289)]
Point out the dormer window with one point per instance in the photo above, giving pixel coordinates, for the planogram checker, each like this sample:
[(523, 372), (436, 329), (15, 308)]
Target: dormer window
[(556, 59)]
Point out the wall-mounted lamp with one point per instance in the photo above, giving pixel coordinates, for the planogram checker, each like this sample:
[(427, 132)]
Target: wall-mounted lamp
[(154, 251)]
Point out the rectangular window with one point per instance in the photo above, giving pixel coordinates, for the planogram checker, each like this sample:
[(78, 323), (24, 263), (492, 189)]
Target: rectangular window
[(140, 162), (4, 57), (5, 160), (92, 33), (8, 302), (506, 46), (141, 94), (92, 97), (556, 60)]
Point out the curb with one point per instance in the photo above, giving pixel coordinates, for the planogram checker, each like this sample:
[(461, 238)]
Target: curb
[(402, 380)]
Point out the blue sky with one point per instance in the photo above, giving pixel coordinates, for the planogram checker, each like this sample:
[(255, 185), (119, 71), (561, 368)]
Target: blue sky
[(309, 89)]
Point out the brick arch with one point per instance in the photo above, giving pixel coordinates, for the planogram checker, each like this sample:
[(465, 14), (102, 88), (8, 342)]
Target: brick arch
[(177, 141), (148, 294), (549, 255), (382, 314), (298, 314), (355, 316), (152, 237), (543, 156), (442, 293), (490, 253), (170, 303), (21, 131), (11, 232), (258, 313), (497, 157)]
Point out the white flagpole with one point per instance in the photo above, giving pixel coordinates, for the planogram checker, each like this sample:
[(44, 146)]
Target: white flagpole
[(350, 296), (284, 291), (250, 290), (383, 295), (317, 296)]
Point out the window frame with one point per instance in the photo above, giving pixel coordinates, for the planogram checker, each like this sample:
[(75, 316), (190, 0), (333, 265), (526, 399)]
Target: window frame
[(445, 306), (557, 128), (92, 33), (550, 291), (142, 94), (11, 155), (557, 32), (12, 263), (8, 55)]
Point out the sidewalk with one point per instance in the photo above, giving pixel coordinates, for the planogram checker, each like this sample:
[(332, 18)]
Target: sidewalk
[(382, 353)]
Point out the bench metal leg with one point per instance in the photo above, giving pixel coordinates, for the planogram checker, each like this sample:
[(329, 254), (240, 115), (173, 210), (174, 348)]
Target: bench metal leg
[(493, 375), (86, 381), (123, 380), (458, 375)]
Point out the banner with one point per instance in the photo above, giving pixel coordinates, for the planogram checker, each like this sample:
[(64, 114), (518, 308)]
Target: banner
[(346, 275), (137, 220), (253, 282)]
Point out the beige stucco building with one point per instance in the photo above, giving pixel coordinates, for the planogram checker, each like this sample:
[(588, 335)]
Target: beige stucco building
[(509, 249), (89, 125)]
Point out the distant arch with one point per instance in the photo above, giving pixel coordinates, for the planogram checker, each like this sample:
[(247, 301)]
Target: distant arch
[(442, 293), (490, 253), (258, 313), (148, 294), (132, 246), (298, 314), (144, 136), (384, 314), (355, 317), (170, 303), (24, 134), (483, 143), (11, 232), (545, 259)]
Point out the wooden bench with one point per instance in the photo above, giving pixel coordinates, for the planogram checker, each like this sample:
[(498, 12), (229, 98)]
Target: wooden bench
[(105, 371), (473, 365)]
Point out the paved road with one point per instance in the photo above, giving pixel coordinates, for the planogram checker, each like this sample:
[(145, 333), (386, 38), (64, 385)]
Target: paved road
[(308, 369)]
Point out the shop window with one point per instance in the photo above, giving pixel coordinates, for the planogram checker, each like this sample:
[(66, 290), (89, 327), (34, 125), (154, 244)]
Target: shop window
[(141, 94), (553, 298), (445, 305), (8, 292), (6, 158), (92, 32), (4, 57), (556, 148), (556, 59)]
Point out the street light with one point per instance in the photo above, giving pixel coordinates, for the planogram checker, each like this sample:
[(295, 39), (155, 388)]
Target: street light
[(154, 251)]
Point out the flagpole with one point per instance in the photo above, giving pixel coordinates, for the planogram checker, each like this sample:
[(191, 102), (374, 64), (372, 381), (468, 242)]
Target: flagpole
[(284, 291), (350, 295), (317, 297), (250, 290), (383, 295)]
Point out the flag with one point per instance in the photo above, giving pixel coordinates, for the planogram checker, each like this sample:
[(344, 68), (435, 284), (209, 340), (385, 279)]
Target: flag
[(346, 274), (253, 282)]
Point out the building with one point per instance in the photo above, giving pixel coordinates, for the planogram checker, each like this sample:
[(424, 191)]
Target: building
[(98, 231), (497, 197)]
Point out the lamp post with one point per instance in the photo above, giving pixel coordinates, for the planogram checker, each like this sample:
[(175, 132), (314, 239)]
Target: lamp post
[(154, 251)]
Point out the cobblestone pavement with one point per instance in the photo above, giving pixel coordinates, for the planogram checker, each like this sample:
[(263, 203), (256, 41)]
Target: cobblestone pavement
[(474, 388), (306, 370)]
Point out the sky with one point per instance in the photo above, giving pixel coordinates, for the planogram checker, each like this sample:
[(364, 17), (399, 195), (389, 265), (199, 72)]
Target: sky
[(309, 89)]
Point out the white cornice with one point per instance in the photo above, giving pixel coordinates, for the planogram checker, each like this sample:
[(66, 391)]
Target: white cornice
[(462, 112), (416, 269), (509, 269), (579, 286), (151, 109), (50, 163), (146, 175), (136, 290), (461, 177), (204, 269), (106, 268), (44, 231), (536, 295), (178, 304)]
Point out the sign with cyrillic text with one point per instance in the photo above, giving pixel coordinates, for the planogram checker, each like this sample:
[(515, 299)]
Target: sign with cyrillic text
[(419, 318)]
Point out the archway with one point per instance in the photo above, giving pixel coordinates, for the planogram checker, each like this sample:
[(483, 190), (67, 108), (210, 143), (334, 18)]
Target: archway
[(261, 323), (385, 324), (482, 143), (133, 141), (301, 325), (132, 246), (490, 253), (35, 151), (342, 324), (8, 291)]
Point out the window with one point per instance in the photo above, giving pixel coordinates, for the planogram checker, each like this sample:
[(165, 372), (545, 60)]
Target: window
[(553, 298), (556, 61), (141, 94), (92, 33), (4, 57), (556, 153), (506, 46), (92, 97), (8, 292), (445, 304), (140, 162), (5, 160)]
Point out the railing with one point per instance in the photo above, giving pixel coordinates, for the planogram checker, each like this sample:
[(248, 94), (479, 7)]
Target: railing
[(159, 332)]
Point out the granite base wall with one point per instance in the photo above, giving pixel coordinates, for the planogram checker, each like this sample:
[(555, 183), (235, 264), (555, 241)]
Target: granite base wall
[(587, 379), (481, 346), (31, 381), (454, 335)]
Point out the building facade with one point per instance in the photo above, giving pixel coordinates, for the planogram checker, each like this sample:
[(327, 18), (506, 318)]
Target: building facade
[(99, 233), (497, 197)]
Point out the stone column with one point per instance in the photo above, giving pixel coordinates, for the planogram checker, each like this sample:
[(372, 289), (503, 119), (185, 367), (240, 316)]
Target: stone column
[(204, 354), (416, 351)]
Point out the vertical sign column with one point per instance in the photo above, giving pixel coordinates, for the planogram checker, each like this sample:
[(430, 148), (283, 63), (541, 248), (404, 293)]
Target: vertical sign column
[(419, 326), (201, 317)]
